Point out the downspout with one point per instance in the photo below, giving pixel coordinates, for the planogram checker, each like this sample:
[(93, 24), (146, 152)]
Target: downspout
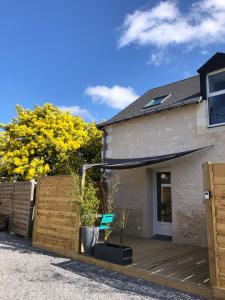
[(83, 175), (104, 144)]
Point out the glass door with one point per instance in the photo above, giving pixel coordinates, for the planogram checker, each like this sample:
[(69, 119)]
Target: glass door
[(164, 204)]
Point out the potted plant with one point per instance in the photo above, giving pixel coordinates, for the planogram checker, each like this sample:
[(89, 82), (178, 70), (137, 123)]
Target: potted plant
[(88, 215), (85, 194), (108, 193), (123, 217), (118, 254)]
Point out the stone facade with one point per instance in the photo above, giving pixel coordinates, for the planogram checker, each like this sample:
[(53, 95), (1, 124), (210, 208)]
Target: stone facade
[(171, 131)]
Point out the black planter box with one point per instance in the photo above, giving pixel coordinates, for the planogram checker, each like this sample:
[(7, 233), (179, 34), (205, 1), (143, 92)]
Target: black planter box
[(117, 254)]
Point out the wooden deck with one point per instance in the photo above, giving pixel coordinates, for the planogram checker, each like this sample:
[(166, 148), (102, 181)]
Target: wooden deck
[(163, 262), (170, 260)]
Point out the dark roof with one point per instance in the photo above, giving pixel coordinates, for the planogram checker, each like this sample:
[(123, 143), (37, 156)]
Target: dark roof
[(181, 92), (216, 62)]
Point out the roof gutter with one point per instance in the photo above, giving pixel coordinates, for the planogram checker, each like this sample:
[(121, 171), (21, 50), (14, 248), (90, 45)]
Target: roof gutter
[(167, 107)]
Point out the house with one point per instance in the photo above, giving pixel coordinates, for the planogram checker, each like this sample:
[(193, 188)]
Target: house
[(157, 146)]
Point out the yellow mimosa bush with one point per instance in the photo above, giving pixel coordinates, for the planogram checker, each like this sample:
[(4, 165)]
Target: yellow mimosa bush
[(44, 140)]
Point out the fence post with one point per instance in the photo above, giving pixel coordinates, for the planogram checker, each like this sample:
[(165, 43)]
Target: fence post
[(11, 206), (207, 184)]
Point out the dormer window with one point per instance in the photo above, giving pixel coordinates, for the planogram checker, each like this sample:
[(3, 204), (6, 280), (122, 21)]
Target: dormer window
[(216, 97)]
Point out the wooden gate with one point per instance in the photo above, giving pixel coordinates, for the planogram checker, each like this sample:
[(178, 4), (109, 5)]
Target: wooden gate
[(16, 201), (56, 223), (20, 219), (214, 189)]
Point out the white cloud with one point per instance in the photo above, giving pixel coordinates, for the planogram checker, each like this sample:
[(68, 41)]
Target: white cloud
[(138, 26), (165, 25), (77, 111), (116, 96)]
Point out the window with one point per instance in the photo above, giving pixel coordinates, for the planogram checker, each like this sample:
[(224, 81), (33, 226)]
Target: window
[(217, 82), (156, 101), (216, 98)]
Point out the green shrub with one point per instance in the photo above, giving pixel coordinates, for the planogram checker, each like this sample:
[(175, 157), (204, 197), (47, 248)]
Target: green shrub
[(87, 198), (89, 205)]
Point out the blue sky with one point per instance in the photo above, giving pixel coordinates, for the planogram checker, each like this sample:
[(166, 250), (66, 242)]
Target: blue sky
[(95, 57)]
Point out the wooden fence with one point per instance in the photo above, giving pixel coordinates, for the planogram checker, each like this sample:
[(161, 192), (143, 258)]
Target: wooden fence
[(214, 183), (16, 201), (6, 191), (56, 222), (20, 221)]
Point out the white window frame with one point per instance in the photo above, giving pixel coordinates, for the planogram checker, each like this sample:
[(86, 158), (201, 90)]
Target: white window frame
[(212, 94)]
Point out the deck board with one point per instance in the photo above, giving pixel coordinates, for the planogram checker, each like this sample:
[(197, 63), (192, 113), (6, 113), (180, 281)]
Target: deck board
[(177, 266), (170, 260)]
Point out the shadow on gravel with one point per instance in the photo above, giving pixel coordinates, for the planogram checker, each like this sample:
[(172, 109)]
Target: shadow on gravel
[(119, 282), (123, 283), (20, 245)]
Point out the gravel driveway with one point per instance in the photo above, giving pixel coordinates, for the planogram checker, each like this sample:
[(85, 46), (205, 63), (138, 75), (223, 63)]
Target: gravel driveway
[(26, 273)]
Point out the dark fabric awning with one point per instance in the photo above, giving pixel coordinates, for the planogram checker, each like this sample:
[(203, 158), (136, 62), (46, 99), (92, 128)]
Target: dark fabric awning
[(118, 164)]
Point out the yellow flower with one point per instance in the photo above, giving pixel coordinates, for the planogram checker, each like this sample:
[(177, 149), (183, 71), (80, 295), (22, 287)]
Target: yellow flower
[(44, 139)]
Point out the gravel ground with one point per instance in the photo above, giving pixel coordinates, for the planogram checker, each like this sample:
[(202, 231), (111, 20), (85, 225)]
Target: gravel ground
[(27, 273)]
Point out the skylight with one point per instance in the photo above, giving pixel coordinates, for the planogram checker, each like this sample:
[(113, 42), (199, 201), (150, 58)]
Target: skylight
[(156, 101)]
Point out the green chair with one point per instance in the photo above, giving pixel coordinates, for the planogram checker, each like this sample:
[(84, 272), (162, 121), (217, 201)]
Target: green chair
[(106, 221)]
